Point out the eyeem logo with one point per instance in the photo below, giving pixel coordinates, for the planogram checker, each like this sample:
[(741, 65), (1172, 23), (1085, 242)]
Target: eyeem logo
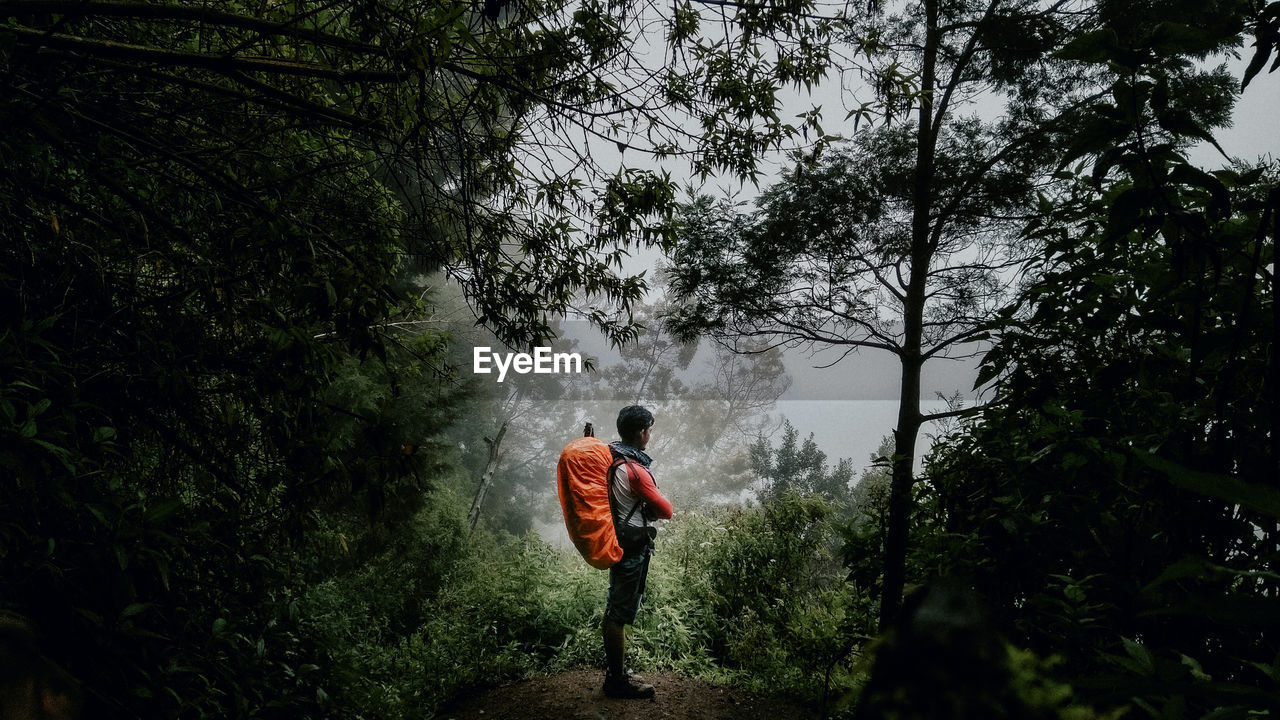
[(541, 362)]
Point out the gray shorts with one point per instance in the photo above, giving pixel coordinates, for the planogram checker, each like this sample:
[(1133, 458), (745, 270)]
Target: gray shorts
[(626, 586)]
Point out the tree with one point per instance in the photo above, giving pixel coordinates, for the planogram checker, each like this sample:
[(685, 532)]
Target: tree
[(1126, 478), (211, 219), (460, 116), (904, 239), (798, 467), (870, 497)]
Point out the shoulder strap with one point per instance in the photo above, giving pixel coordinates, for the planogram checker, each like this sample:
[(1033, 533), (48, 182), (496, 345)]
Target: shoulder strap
[(612, 503)]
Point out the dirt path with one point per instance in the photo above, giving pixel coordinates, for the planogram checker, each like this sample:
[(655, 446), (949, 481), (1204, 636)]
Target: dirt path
[(577, 695)]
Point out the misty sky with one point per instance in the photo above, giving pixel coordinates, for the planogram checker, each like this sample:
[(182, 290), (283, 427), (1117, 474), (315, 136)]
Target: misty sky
[(851, 405)]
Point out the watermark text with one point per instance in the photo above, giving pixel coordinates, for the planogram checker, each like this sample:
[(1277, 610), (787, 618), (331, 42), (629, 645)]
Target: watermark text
[(540, 362)]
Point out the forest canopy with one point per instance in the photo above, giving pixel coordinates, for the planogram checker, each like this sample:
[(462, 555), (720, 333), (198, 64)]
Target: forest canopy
[(244, 471)]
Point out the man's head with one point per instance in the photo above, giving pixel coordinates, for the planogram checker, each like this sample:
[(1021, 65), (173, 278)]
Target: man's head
[(634, 422)]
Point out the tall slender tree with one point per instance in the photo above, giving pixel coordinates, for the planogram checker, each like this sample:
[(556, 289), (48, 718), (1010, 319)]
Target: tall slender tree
[(904, 239)]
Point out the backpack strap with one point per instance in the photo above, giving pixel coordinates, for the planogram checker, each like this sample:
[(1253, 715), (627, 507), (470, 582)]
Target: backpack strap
[(613, 503)]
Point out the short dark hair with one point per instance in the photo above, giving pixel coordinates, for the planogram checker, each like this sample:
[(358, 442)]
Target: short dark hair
[(632, 419)]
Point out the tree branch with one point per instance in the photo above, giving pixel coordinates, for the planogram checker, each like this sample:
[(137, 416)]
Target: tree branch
[(150, 11), (225, 64), (962, 412)]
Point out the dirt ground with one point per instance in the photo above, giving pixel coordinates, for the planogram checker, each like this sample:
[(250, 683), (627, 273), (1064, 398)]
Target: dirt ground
[(577, 695)]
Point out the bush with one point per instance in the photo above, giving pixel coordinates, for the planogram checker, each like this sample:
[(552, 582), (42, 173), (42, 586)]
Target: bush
[(755, 596)]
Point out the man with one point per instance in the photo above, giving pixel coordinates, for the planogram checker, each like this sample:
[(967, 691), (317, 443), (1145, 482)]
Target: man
[(635, 501)]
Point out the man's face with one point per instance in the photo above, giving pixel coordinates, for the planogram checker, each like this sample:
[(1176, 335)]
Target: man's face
[(642, 438)]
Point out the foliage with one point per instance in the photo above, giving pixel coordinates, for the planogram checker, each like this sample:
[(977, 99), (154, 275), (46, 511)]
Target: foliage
[(869, 499), (226, 485), (1130, 489), (1119, 504), (943, 659), (765, 596), (497, 607), (823, 259), (1266, 33), (171, 593), (901, 239), (407, 628), (363, 618), (213, 360), (800, 468), (458, 115)]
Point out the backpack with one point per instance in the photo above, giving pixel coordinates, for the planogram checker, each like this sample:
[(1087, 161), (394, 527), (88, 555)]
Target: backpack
[(582, 481)]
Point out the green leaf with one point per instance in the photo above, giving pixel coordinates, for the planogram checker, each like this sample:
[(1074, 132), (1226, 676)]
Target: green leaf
[(1104, 164), (1220, 199), (1180, 122), (133, 609), (1126, 210), (1270, 670), (1142, 660), (1097, 46), (1197, 672), (1265, 44), (1254, 496)]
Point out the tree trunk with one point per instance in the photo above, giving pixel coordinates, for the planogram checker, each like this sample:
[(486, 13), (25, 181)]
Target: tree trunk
[(1272, 378), (910, 355), (900, 486), (486, 480)]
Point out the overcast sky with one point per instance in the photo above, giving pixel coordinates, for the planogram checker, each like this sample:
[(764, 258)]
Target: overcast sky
[(1255, 133), (867, 382)]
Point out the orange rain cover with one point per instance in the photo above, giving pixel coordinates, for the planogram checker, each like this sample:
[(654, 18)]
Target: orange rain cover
[(584, 498)]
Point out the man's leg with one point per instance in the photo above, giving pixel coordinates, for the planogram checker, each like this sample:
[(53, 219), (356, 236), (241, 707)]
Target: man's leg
[(615, 647), (626, 588)]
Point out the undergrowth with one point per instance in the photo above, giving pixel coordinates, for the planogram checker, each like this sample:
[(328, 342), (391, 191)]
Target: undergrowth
[(750, 597)]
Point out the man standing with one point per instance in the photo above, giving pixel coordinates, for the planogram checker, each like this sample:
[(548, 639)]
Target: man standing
[(635, 501)]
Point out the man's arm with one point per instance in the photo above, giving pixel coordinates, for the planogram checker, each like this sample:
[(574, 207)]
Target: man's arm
[(656, 507)]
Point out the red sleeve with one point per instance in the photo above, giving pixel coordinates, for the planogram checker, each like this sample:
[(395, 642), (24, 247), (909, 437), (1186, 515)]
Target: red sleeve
[(642, 485)]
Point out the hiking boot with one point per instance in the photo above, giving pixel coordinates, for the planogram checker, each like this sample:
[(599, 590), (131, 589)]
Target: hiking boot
[(626, 687)]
